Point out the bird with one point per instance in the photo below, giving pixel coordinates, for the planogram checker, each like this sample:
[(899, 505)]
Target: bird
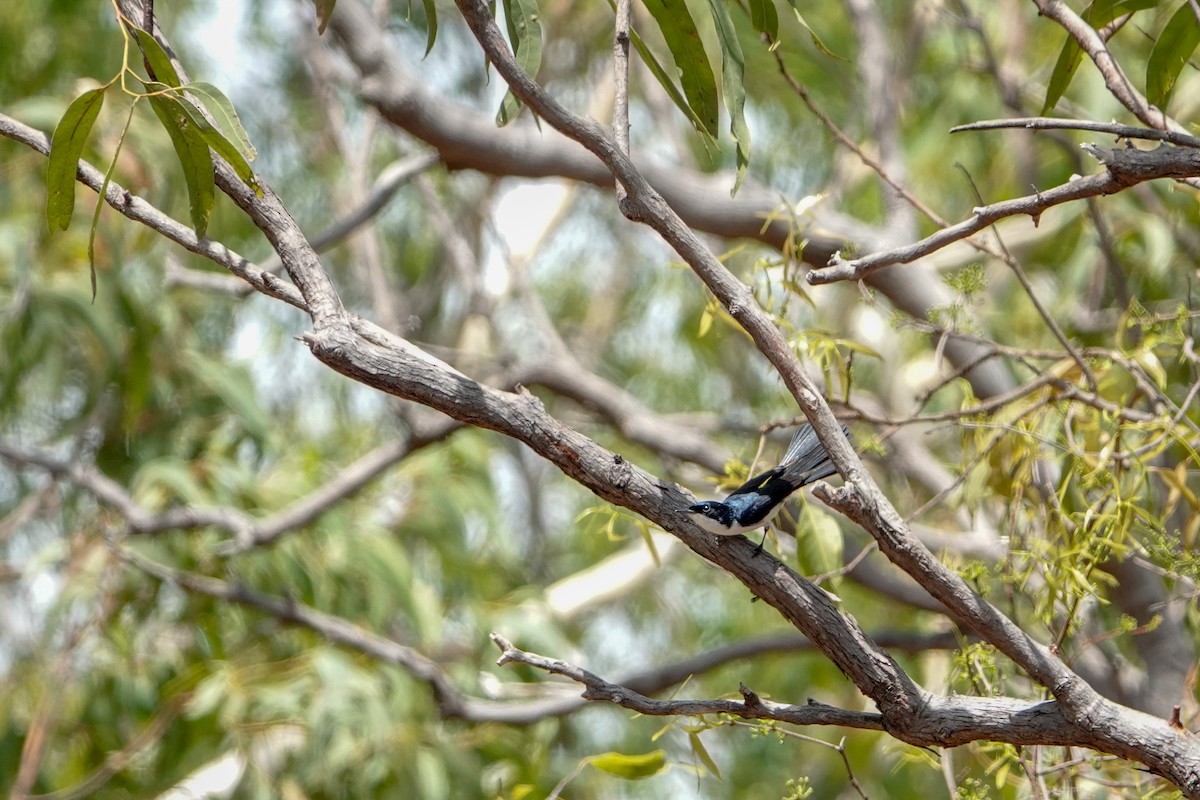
[(758, 500)]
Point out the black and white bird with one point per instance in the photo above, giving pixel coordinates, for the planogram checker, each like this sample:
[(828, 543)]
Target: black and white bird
[(754, 503)]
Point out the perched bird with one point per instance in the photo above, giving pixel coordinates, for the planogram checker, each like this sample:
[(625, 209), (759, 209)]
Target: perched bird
[(755, 502)]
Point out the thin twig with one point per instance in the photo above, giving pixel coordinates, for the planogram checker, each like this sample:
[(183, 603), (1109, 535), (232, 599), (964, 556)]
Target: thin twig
[(621, 81), (1054, 123)]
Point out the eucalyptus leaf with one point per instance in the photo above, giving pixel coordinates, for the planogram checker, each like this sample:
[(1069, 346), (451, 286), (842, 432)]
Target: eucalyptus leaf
[(525, 34), (194, 158), (696, 73), (66, 147), (1171, 51)]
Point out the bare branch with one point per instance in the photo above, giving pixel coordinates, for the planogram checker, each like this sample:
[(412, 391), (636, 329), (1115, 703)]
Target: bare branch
[(1055, 123), (751, 708), (1123, 168)]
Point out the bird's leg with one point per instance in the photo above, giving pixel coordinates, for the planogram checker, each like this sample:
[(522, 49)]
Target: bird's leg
[(758, 550)]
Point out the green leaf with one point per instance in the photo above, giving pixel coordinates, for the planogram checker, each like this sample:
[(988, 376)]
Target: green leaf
[(221, 109), (695, 72), (158, 60), (819, 542), (1097, 14), (112, 166), (324, 12), (764, 18), (733, 67), (525, 34), (702, 753), (218, 142), (193, 155), (431, 22), (664, 80), (1174, 47), (66, 146), (630, 767), (816, 40)]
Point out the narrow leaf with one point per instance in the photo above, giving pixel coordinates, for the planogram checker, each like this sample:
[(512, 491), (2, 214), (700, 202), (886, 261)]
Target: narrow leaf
[(194, 157), (66, 146), (217, 141), (816, 40), (702, 753), (324, 12), (1174, 47), (630, 767), (695, 72), (157, 58), (525, 35), (112, 166), (764, 18), (733, 67), (660, 74), (431, 22), (222, 111)]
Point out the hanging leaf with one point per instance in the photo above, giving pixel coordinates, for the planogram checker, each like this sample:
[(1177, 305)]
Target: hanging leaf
[(733, 67), (431, 22), (66, 146), (819, 542), (157, 58), (221, 109), (324, 12), (525, 35), (193, 155), (660, 74), (695, 72), (1171, 51), (1097, 14), (702, 753), (218, 142), (816, 40), (112, 166)]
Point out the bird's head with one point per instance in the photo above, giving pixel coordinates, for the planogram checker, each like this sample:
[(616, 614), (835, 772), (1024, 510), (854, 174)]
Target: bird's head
[(712, 516)]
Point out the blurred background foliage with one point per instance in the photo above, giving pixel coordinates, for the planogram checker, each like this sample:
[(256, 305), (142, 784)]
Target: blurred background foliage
[(192, 397)]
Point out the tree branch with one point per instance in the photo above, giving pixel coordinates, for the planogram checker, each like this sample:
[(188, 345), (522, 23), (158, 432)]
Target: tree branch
[(960, 719), (1123, 168)]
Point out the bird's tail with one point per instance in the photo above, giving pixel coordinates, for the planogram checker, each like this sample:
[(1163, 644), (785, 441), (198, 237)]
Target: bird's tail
[(806, 460)]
